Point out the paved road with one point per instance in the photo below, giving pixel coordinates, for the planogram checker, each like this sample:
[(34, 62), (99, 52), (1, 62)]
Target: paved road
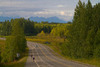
[(45, 58), (2, 39)]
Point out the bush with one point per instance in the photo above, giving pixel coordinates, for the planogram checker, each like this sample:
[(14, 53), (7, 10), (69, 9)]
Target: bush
[(41, 34)]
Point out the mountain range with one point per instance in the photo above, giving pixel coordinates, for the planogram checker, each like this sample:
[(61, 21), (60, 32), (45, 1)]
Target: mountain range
[(37, 19)]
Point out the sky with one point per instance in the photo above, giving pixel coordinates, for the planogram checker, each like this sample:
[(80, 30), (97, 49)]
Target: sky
[(63, 9)]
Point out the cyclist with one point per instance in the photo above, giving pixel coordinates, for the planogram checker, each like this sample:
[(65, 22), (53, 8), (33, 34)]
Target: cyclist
[(31, 55), (33, 58)]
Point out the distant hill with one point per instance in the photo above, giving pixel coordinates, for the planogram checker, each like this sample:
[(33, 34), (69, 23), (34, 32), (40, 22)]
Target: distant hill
[(50, 19), (2, 19), (37, 19)]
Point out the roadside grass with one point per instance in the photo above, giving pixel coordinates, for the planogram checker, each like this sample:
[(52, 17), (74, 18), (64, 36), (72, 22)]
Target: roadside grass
[(3, 36), (2, 43), (55, 42), (93, 61), (19, 63), (45, 39)]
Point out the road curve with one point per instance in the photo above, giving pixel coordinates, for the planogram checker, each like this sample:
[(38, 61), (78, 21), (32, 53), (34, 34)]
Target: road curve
[(45, 58)]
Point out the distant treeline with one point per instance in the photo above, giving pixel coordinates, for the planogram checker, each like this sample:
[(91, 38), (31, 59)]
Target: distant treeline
[(6, 27), (30, 27)]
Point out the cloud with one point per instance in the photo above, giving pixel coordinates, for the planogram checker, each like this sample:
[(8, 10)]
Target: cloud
[(41, 13), (62, 13), (1, 13), (63, 9), (60, 5)]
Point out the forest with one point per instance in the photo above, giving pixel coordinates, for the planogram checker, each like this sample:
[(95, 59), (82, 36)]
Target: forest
[(81, 36)]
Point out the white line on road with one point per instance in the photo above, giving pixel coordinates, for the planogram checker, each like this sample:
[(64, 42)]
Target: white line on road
[(37, 64), (44, 61), (35, 60), (33, 54), (53, 59), (50, 53)]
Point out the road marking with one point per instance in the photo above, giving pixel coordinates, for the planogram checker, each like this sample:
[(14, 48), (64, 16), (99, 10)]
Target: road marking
[(42, 60), (37, 64), (33, 54), (35, 60), (51, 53), (53, 59)]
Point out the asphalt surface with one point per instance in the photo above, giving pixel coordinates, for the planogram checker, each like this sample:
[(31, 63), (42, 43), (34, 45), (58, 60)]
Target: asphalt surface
[(45, 58), (2, 39)]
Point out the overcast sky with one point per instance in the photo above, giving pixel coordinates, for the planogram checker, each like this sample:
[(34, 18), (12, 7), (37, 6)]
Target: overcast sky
[(63, 9)]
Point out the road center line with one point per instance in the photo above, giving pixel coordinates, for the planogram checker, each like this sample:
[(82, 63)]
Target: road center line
[(32, 51), (50, 53), (53, 59), (35, 60), (41, 58)]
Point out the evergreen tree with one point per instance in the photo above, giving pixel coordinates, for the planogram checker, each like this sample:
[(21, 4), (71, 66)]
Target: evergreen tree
[(16, 43), (78, 33), (96, 26), (97, 45), (6, 28), (18, 32), (75, 38)]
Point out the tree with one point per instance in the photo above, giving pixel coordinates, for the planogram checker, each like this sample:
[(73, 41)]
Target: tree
[(41, 34), (18, 32), (78, 44), (9, 52), (60, 30), (16, 43), (6, 28), (96, 26), (74, 38), (97, 45)]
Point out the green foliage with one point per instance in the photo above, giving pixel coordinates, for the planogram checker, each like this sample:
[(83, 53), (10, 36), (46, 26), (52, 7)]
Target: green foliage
[(27, 25), (41, 34), (9, 52), (83, 37), (18, 33), (60, 30), (97, 44), (0, 28), (46, 27), (6, 28), (16, 43)]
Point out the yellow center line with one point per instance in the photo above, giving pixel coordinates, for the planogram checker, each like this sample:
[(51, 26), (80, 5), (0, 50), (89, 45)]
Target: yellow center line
[(54, 60)]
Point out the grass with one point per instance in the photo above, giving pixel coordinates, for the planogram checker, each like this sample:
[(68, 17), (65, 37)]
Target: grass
[(2, 43), (43, 39), (54, 44), (19, 63), (92, 61)]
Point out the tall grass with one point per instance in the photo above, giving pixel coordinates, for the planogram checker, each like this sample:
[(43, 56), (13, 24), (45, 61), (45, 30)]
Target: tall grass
[(20, 63)]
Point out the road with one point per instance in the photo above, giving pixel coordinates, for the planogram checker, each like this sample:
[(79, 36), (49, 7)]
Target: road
[(2, 39), (45, 58)]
